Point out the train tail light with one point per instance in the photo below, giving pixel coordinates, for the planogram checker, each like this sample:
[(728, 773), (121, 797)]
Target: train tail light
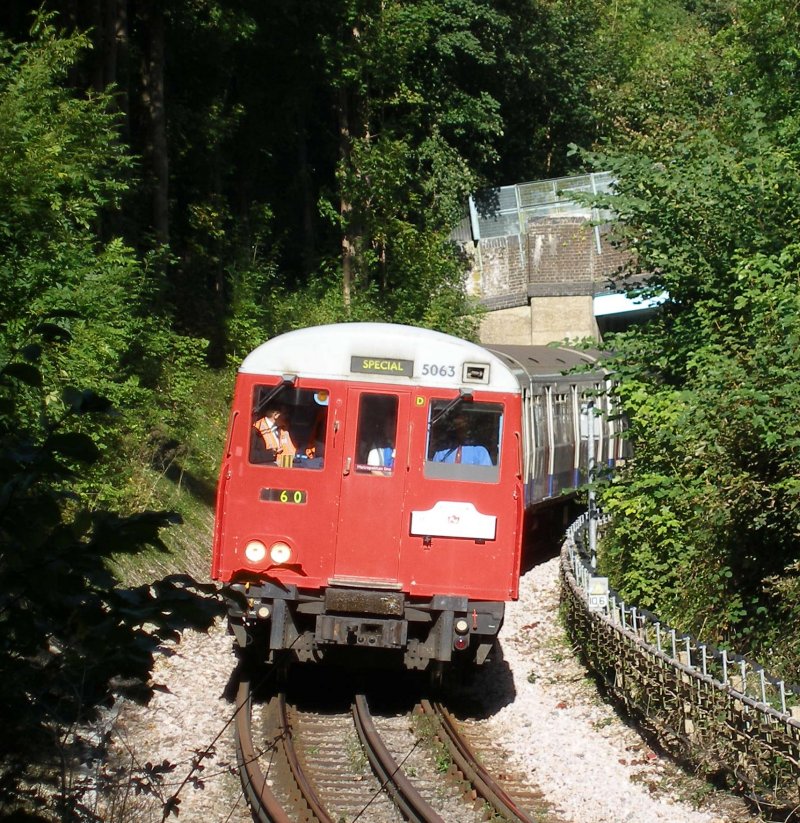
[(461, 630), (280, 553)]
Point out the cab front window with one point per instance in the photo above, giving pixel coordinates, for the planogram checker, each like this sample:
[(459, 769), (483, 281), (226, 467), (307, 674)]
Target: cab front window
[(377, 434), (464, 441)]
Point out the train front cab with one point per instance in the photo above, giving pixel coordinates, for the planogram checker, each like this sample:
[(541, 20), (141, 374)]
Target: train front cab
[(346, 549)]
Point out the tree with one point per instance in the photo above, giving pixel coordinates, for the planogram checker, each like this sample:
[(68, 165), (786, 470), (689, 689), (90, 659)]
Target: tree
[(405, 84), (60, 165), (74, 307), (660, 69), (706, 518), (72, 638)]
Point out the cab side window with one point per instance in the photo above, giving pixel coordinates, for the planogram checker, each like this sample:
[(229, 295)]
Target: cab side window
[(289, 429)]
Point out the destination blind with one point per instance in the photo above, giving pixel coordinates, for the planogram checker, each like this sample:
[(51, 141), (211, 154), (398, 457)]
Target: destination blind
[(382, 365)]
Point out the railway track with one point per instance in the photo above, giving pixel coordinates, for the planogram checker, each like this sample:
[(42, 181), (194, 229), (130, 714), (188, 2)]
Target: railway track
[(347, 766)]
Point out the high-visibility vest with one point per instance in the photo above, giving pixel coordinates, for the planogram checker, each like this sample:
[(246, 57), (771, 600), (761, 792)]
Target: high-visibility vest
[(276, 439)]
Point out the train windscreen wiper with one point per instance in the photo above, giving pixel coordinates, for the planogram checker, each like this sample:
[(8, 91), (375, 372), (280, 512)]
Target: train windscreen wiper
[(463, 397), (287, 381)]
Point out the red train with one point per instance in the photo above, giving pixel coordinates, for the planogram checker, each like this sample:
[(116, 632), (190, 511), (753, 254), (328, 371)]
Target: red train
[(373, 487)]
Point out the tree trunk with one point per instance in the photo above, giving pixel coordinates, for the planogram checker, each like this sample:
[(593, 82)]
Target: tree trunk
[(119, 67), (309, 252), (113, 27), (97, 28), (345, 207), (107, 23), (153, 100)]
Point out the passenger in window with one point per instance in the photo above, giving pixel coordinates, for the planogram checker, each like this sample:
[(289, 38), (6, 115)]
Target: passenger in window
[(459, 449), (382, 452), (272, 442)]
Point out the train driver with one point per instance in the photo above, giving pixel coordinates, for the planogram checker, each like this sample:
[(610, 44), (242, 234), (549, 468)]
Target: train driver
[(274, 443), (459, 450)]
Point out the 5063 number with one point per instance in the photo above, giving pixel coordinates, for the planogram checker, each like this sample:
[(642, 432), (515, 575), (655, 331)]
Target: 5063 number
[(436, 370)]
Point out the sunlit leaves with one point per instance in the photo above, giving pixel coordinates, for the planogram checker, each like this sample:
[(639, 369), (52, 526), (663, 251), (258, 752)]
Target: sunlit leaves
[(707, 523)]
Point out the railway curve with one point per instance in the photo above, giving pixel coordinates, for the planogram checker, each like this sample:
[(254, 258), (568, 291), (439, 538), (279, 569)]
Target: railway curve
[(310, 766)]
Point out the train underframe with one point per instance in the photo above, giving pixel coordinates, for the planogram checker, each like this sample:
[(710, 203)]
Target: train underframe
[(384, 628)]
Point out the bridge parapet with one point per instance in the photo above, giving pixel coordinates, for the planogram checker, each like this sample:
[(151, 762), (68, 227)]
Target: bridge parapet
[(539, 258)]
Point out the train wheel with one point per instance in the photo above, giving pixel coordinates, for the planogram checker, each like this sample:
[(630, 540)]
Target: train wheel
[(445, 678), (282, 665), (436, 676)]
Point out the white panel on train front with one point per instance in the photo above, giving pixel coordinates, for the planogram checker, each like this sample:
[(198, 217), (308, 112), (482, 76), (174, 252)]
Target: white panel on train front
[(453, 519)]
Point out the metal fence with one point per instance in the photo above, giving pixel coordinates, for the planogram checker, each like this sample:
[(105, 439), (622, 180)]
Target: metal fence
[(506, 210), (723, 713)]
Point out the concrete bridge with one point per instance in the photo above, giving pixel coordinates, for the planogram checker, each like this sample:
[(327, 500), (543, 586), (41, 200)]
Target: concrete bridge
[(542, 265)]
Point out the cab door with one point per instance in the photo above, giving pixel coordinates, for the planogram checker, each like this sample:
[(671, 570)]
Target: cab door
[(374, 474)]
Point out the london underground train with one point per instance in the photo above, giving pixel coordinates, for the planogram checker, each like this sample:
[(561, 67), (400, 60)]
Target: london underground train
[(373, 488)]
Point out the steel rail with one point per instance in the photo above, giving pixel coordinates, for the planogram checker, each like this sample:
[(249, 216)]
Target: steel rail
[(302, 782), (262, 801), (466, 761), (403, 793)]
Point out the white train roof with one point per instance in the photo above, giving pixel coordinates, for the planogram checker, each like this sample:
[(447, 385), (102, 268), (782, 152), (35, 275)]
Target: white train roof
[(382, 353)]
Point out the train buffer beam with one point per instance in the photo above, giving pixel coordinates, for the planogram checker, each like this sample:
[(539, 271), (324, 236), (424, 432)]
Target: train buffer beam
[(375, 633)]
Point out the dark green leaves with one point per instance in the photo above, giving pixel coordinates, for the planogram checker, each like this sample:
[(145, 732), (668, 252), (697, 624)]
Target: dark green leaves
[(707, 513), (85, 401), (74, 445), (71, 636), (23, 372)]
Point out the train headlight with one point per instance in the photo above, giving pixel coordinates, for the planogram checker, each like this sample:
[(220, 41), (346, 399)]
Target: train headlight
[(255, 551), (280, 553), (461, 626)]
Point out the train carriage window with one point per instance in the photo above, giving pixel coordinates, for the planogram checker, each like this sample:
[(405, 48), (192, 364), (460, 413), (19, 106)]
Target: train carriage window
[(592, 421), (289, 427), (464, 441), (377, 434), (563, 439), (540, 441), (562, 419)]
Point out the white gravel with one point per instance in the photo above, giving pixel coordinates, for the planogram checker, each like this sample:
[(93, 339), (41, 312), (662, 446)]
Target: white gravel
[(187, 715), (579, 752), (592, 767)]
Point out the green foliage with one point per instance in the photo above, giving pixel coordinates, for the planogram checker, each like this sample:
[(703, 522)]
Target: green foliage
[(59, 165), (707, 521), (707, 517), (412, 116), (70, 635), (62, 167), (553, 54), (764, 58), (658, 70)]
